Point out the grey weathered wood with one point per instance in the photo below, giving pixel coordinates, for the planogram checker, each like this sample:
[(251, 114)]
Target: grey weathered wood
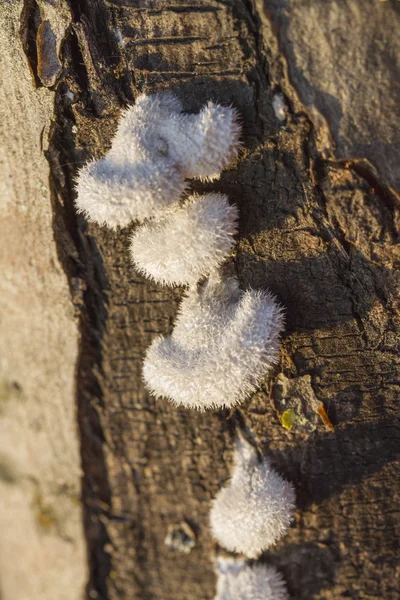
[(320, 232), (42, 544)]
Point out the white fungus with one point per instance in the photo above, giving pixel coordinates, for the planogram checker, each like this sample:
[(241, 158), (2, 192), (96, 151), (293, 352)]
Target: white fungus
[(187, 244), (120, 37), (156, 147), (114, 194), (237, 580), (257, 507), (280, 107), (223, 343)]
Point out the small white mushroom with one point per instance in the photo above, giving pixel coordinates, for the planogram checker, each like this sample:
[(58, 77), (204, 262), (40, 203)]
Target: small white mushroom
[(156, 147), (187, 244), (114, 194), (223, 343), (256, 508), (239, 581)]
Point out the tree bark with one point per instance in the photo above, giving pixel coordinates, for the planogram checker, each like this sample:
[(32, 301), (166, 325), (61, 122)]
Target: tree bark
[(319, 226), (42, 545)]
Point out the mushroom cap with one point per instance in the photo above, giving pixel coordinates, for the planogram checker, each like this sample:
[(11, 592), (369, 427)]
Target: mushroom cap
[(256, 509), (203, 144), (237, 579), (223, 343), (187, 244), (115, 194)]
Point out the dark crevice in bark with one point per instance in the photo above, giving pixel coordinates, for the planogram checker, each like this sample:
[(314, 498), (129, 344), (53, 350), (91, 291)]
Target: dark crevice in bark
[(76, 9), (252, 45), (85, 277), (29, 25), (82, 262), (79, 68)]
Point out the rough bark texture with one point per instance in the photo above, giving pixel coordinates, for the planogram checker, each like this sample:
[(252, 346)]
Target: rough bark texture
[(319, 226)]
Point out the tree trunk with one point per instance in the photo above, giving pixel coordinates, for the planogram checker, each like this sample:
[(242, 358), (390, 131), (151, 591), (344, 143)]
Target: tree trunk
[(317, 188)]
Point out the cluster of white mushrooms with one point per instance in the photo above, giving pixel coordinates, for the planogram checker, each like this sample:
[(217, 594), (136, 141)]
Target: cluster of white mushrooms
[(224, 339)]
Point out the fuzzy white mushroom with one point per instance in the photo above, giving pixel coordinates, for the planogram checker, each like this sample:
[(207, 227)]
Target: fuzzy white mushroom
[(156, 147), (223, 343), (114, 194), (187, 244), (257, 507), (237, 580)]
